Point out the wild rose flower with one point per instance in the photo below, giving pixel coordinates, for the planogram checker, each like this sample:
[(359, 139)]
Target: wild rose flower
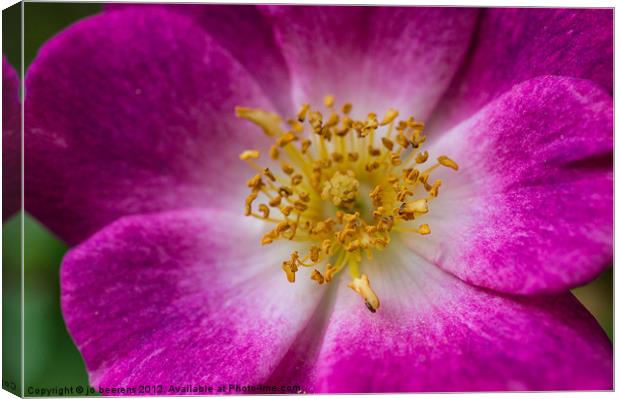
[(133, 152)]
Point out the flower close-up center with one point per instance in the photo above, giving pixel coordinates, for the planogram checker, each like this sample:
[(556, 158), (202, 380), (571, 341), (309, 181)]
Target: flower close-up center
[(310, 199), (340, 188)]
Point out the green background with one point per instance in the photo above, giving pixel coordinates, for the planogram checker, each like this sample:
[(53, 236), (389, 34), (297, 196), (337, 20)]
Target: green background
[(51, 358)]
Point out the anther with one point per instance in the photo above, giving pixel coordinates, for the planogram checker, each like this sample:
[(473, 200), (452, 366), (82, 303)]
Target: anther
[(424, 229), (296, 180), (395, 159), (361, 285), (412, 175), (288, 169), (328, 101), (421, 157), (264, 210), (445, 161), (305, 144), (286, 210), (372, 122), (408, 210), (353, 156), (415, 124), (403, 194), (285, 192), (389, 117), (300, 206), (387, 143), (316, 120), (329, 272), (275, 201), (290, 269), (434, 191), (317, 276), (374, 152), (402, 140), (374, 165), (268, 121), (326, 246), (274, 153), (353, 246), (282, 227), (296, 126), (255, 182), (268, 238), (376, 196), (267, 172), (286, 139), (249, 154), (248, 203), (314, 253), (301, 115), (337, 157), (333, 120)]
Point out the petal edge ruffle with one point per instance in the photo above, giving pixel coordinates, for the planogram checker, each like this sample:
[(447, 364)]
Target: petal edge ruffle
[(530, 209), (373, 57), (131, 112), (435, 333), (513, 45), (242, 31), (177, 298)]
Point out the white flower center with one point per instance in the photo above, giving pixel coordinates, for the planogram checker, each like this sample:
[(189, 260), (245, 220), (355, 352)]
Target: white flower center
[(318, 200)]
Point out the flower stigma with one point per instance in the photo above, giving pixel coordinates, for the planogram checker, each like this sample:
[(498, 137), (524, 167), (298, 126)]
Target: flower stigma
[(334, 190)]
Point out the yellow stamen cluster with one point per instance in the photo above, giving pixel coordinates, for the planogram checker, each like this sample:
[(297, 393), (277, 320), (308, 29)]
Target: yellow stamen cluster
[(311, 189)]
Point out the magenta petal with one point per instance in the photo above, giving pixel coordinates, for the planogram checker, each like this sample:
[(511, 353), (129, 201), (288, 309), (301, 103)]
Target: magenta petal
[(530, 209), (375, 57), (242, 31), (133, 111), (180, 298), (435, 333), (516, 44), (11, 141)]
